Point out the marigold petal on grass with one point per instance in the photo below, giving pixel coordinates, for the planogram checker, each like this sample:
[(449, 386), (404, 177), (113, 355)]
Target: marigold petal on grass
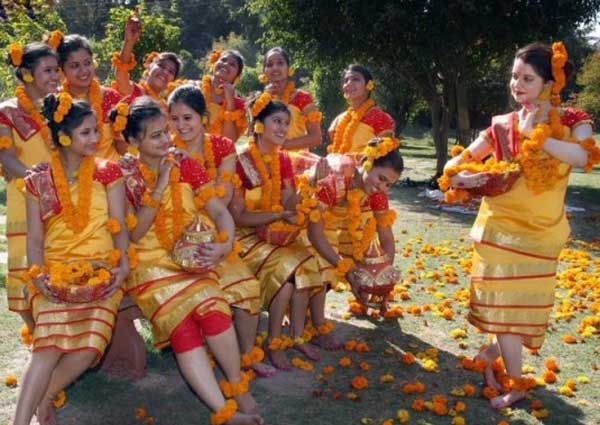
[(403, 416), (10, 380), (60, 400), (359, 382)]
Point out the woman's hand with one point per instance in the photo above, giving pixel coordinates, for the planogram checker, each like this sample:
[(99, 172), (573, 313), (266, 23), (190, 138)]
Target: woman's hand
[(164, 171), (211, 254), (468, 180), (352, 278), (322, 169), (41, 283), (118, 276), (289, 216), (133, 29)]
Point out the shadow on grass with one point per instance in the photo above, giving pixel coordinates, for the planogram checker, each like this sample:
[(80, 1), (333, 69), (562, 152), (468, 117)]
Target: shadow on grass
[(300, 397)]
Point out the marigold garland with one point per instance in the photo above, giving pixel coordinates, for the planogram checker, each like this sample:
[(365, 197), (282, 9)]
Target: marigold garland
[(271, 189), (27, 105), (255, 355), (314, 117), (95, 101), (260, 103), (231, 389), (282, 343), (132, 256), (346, 127), (383, 146), (117, 63), (360, 242), (287, 93), (120, 123), (155, 96), (343, 266), (76, 273), (5, 142), (130, 221), (75, 220), (216, 120), (113, 225), (559, 60), (176, 214), (387, 218), (224, 414)]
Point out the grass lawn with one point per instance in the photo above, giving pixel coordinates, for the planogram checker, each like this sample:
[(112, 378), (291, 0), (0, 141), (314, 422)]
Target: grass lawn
[(427, 236)]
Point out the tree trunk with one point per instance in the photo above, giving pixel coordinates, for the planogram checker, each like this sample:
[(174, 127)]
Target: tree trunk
[(463, 124), (440, 121)]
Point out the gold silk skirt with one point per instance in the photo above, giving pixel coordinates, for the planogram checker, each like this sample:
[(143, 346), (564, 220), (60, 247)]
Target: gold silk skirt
[(274, 265)]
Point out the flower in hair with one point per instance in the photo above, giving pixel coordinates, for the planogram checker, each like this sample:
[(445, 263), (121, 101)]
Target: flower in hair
[(149, 58), (120, 123), (370, 85), (380, 148), (55, 38), (15, 50), (65, 101), (260, 103)]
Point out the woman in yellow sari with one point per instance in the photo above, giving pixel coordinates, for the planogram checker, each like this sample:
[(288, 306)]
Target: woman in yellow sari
[(264, 205), (226, 109), (519, 234), (217, 155), (70, 337), (305, 120), (184, 307), (76, 60), (24, 141), (160, 69), (363, 120)]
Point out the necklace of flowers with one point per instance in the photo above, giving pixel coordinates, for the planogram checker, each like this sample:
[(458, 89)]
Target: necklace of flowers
[(95, 100), (206, 158), (287, 92), (216, 120), (156, 96), (162, 215), (76, 220), (360, 243), (270, 199), (346, 127), (26, 104)]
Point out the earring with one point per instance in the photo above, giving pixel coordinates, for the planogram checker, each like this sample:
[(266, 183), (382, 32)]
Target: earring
[(370, 85), (262, 78), (236, 81), (291, 72), (545, 94), (132, 150), (259, 127), (27, 77), (64, 140)]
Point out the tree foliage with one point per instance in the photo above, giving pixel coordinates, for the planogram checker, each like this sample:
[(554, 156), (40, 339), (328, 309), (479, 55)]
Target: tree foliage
[(589, 98)]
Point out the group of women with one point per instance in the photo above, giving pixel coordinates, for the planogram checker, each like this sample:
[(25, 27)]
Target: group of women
[(120, 175)]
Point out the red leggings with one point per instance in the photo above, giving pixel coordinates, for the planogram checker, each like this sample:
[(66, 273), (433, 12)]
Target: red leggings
[(189, 334)]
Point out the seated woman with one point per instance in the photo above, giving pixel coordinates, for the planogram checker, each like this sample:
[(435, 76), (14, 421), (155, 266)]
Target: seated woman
[(353, 196), (288, 274), (70, 338), (185, 308), (217, 155), (160, 69), (304, 130), (226, 109), (24, 141), (351, 130)]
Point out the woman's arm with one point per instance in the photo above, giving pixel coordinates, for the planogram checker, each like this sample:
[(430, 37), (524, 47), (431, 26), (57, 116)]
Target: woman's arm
[(386, 238), (213, 253), (570, 153), (116, 210), (229, 128), (479, 149), (132, 35), (11, 166), (35, 232)]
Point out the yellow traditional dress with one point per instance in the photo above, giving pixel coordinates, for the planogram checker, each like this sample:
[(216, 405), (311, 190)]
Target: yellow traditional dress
[(332, 194), (518, 237), (273, 265), (374, 123), (241, 287), (31, 149), (165, 293), (83, 326)]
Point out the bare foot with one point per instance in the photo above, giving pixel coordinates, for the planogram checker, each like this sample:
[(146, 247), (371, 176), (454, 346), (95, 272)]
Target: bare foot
[(278, 359), (45, 413), (263, 370), (308, 351), (327, 342), (506, 400), (244, 419), (246, 403), (488, 372)]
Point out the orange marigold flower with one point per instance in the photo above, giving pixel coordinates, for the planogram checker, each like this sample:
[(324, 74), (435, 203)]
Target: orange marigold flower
[(490, 393), (327, 370), (359, 382), (460, 407), (552, 364), (10, 380), (569, 339), (536, 404), (60, 400), (418, 405), (408, 358), (345, 361), (113, 225), (549, 377), (130, 221), (364, 366), (469, 390)]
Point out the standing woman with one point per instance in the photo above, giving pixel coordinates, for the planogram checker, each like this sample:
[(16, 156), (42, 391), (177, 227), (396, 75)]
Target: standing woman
[(216, 154), (226, 110), (24, 141), (362, 121), (288, 274), (76, 59), (305, 120), (160, 69), (69, 338), (185, 308), (519, 234)]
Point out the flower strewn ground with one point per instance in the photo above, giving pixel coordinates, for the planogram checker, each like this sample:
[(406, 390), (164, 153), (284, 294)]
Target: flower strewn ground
[(407, 368)]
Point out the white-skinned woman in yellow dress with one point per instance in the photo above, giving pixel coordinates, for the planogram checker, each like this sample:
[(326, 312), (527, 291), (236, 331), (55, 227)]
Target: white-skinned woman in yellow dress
[(519, 234)]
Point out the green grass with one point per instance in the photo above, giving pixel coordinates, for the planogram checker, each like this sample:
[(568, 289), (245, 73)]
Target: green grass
[(308, 397)]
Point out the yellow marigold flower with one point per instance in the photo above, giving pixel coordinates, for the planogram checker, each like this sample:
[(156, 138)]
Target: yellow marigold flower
[(458, 420), (458, 333), (403, 416)]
